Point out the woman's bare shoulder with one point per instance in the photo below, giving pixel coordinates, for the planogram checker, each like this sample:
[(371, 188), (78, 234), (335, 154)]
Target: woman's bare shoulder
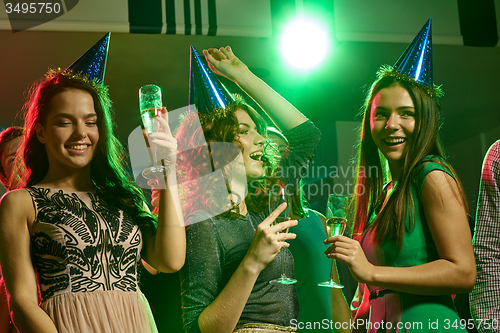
[(14, 197), (16, 204)]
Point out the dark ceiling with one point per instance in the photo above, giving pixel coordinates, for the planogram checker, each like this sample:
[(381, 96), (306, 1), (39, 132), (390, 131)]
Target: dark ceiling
[(333, 92)]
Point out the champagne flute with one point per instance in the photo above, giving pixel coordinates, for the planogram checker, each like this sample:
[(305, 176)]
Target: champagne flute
[(150, 104), (277, 196), (335, 226)]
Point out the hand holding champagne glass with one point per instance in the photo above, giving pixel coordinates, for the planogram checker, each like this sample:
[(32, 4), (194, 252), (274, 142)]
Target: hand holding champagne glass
[(151, 106), (335, 226), (277, 196)]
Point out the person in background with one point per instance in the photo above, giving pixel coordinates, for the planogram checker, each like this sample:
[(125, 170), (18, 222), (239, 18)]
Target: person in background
[(10, 138), (484, 299), (310, 267)]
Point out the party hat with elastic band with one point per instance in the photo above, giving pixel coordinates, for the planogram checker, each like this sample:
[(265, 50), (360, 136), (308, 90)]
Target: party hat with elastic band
[(211, 98), (92, 64), (415, 64)]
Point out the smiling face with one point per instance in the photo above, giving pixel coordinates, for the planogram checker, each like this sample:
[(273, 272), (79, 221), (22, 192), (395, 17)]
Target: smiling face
[(392, 122), (252, 145), (70, 133)]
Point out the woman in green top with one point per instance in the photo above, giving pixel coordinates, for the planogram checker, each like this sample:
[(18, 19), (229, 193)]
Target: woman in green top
[(411, 241), (309, 266)]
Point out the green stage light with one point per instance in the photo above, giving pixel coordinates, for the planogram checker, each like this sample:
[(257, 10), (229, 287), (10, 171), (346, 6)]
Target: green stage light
[(304, 44)]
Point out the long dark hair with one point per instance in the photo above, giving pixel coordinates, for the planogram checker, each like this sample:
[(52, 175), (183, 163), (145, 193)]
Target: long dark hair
[(197, 159), (107, 168), (369, 193)]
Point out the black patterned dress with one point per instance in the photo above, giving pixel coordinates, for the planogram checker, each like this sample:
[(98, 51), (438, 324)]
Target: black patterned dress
[(86, 255)]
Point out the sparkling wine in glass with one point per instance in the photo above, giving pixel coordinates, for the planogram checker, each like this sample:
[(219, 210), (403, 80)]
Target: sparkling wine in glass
[(335, 226), (151, 107), (277, 196)]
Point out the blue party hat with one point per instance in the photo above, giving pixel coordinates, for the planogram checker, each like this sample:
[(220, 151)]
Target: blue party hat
[(416, 61), (415, 64), (92, 64), (205, 90)]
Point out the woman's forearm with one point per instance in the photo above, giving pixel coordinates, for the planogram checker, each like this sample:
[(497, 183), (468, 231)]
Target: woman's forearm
[(170, 240), (28, 317), (223, 313), (438, 277), (284, 114)]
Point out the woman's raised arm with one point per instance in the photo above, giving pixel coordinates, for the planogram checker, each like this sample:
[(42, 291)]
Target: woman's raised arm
[(166, 250), (223, 61)]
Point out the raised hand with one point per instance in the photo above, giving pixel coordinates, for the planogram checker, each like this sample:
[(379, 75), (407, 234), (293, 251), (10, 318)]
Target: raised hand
[(268, 240), (350, 251), (223, 62), (165, 140)]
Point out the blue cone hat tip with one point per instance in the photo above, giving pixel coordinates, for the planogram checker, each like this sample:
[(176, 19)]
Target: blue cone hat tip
[(415, 64), (416, 61), (205, 90), (92, 64)]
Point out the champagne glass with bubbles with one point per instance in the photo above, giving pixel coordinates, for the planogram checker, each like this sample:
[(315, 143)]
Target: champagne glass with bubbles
[(277, 196), (335, 226), (151, 106)]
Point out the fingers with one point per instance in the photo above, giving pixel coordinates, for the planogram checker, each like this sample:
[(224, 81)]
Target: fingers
[(284, 236), (331, 240), (338, 243), (272, 217), (283, 244), (211, 61), (222, 53), (283, 226), (229, 51), (212, 56), (164, 140), (163, 120), (166, 135), (225, 52)]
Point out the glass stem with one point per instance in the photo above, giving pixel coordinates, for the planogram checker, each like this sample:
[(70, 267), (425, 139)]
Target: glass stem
[(282, 266), (331, 270)]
